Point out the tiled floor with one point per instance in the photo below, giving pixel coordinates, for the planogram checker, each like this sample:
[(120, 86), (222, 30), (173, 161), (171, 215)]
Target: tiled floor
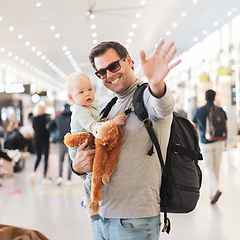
[(56, 211)]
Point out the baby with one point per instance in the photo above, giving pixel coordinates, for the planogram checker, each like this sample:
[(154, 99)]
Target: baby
[(85, 119)]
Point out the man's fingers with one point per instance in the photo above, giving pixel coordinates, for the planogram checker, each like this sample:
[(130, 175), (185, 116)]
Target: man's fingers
[(83, 145), (167, 49), (91, 152), (159, 46), (143, 57), (171, 66), (171, 55)]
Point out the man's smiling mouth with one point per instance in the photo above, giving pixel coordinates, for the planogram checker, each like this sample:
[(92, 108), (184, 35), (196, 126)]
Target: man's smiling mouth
[(113, 82)]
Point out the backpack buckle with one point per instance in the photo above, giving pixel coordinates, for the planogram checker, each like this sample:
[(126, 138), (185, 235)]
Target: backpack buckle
[(147, 122), (176, 148)]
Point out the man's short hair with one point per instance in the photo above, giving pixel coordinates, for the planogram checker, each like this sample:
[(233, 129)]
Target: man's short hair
[(102, 47), (210, 95)]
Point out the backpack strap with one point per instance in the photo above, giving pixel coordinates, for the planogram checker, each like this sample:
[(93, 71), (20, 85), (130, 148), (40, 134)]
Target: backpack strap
[(108, 107), (177, 149), (142, 115)]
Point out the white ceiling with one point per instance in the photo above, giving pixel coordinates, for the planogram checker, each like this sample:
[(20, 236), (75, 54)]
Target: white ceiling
[(113, 20)]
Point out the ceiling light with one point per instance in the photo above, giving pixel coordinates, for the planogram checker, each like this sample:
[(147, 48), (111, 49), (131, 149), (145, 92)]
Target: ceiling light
[(194, 1), (184, 14), (10, 54), (131, 34), (195, 39), (38, 4), (2, 49), (126, 46), (4, 65), (92, 16), (175, 24), (34, 49), (20, 36), (35, 98), (134, 25), (64, 48), (43, 57), (70, 56), (215, 23), (57, 35), (39, 53), (52, 27), (229, 13), (16, 58), (143, 2), (27, 64), (31, 67), (138, 15), (27, 43), (11, 28), (1, 18), (204, 32), (168, 33), (47, 61), (67, 52), (22, 61), (9, 67), (94, 34), (95, 41), (93, 26), (128, 40)]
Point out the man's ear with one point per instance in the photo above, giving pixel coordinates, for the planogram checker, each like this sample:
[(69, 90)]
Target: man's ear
[(129, 60), (70, 98)]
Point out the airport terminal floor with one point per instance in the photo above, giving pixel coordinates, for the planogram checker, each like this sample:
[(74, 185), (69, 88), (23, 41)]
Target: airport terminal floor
[(55, 211)]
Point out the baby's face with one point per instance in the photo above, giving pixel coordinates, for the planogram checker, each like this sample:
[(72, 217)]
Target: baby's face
[(83, 93)]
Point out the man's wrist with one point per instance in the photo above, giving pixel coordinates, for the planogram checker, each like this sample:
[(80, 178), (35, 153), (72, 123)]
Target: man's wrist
[(77, 173)]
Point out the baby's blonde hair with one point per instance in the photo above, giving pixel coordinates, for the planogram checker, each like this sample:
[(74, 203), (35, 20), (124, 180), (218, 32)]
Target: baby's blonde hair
[(73, 78)]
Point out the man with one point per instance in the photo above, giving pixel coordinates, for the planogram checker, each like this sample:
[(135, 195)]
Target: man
[(61, 126), (211, 150), (130, 207)]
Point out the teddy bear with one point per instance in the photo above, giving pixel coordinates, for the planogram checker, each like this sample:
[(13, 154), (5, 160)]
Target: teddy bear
[(107, 144)]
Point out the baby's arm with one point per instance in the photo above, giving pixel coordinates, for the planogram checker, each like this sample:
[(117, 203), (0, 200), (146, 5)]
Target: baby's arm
[(119, 119)]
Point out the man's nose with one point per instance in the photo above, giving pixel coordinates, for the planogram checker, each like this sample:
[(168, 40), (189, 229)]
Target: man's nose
[(109, 73)]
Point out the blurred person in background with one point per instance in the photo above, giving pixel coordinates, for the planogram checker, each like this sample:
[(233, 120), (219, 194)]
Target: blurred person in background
[(211, 150), (41, 141), (27, 131), (59, 127), (14, 139)]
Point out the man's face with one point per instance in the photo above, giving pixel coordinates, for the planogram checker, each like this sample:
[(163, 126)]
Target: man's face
[(121, 80)]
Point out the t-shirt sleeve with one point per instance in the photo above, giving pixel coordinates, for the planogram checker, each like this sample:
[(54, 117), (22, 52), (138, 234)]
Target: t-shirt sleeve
[(159, 107)]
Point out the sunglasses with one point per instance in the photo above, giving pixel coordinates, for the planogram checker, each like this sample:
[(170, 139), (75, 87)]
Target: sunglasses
[(112, 67)]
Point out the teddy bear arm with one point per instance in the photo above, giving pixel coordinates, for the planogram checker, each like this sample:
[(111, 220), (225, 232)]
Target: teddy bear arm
[(73, 140), (113, 154)]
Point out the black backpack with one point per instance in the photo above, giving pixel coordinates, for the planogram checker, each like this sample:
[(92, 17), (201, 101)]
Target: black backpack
[(216, 127), (181, 175)]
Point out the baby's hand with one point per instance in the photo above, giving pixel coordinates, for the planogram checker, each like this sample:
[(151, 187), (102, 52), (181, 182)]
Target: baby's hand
[(104, 120), (119, 120)]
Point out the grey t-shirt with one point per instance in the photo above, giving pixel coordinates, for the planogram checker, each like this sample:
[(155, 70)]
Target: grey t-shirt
[(133, 190)]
